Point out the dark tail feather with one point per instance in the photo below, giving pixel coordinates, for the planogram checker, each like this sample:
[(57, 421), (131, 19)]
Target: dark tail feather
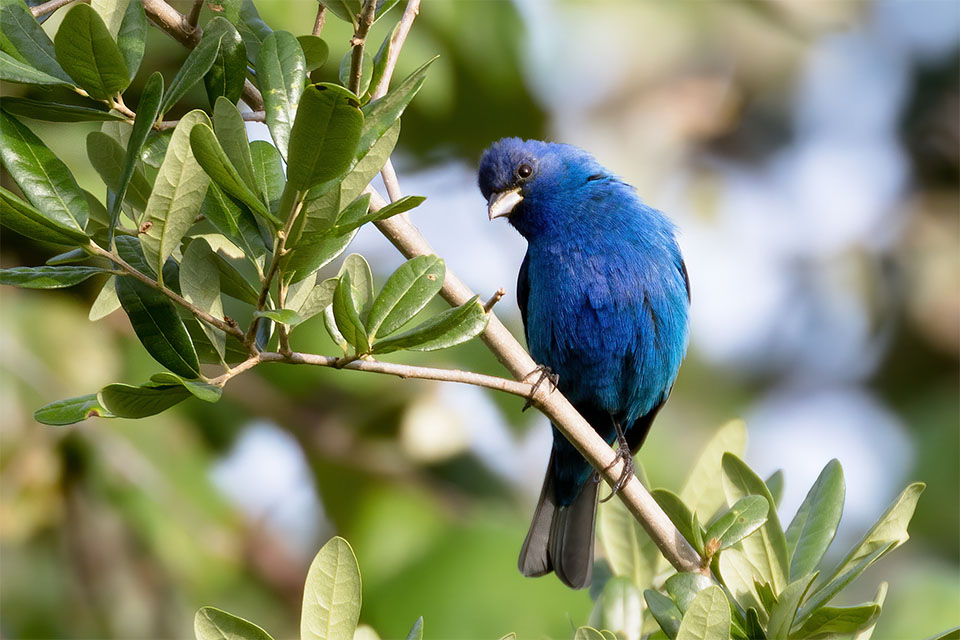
[(561, 538)]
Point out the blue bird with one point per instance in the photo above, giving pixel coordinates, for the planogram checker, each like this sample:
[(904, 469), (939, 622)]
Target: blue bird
[(604, 295)]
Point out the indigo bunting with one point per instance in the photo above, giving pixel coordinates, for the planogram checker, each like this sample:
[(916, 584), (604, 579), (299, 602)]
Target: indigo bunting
[(603, 292)]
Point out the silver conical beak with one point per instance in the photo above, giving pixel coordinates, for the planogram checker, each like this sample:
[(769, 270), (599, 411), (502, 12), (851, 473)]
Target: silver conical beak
[(502, 203)]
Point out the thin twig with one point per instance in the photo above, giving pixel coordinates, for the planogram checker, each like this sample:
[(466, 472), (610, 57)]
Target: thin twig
[(194, 16), (249, 116), (48, 7), (396, 44), (321, 18), (367, 15), (494, 299)]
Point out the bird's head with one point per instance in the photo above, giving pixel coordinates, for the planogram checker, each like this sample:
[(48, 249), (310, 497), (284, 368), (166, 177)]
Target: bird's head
[(518, 175)]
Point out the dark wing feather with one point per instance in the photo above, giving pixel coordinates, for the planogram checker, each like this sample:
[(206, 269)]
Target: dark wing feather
[(523, 292)]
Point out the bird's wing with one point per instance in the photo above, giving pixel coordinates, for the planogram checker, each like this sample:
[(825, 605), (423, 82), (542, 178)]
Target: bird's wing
[(523, 291), (686, 278)]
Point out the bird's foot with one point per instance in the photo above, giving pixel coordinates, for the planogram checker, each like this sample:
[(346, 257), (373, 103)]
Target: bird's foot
[(544, 374), (623, 453)]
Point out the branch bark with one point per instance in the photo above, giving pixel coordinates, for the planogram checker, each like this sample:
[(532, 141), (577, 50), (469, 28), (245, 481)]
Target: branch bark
[(358, 41)]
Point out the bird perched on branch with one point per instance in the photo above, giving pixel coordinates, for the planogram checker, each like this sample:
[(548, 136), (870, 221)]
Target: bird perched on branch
[(604, 295)]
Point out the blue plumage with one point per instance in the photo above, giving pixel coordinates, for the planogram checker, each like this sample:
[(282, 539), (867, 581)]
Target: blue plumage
[(604, 296)]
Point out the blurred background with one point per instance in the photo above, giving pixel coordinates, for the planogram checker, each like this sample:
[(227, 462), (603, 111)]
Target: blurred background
[(808, 152)]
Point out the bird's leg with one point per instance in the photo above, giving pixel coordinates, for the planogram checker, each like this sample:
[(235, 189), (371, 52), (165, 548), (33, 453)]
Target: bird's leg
[(545, 374), (623, 452)]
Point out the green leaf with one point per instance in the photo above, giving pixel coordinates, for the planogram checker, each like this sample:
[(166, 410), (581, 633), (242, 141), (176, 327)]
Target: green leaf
[(231, 133), (664, 611), (214, 160), (147, 112), (197, 64), (107, 301), (346, 313), (743, 518), (369, 165), (109, 159), (627, 547), (346, 10), (708, 617), (214, 624), (949, 634), (29, 40), (14, 70), (229, 70), (703, 490), (252, 29), (281, 75), (446, 329), (775, 485), (268, 171), (235, 222), (312, 255), (111, 12), (53, 112), (47, 277), (588, 633), (406, 292), (832, 621), (17, 215), (200, 285), (676, 510), (416, 631), (621, 608), (73, 256), (132, 37), (813, 527), (177, 194), (752, 627), (380, 115), (739, 576), (866, 632), (380, 59), (331, 595), (42, 177), (767, 549), (835, 585), (330, 324), (366, 70), (283, 316), (783, 612), (129, 401), (684, 587), (198, 389), (158, 326), (318, 298), (315, 52), (350, 220), (324, 137), (71, 410), (87, 52), (361, 279)]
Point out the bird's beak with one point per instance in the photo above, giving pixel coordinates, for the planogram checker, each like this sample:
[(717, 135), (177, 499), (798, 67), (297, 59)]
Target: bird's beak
[(502, 203)]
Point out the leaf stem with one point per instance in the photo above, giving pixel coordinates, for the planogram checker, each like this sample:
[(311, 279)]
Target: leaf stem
[(367, 15)]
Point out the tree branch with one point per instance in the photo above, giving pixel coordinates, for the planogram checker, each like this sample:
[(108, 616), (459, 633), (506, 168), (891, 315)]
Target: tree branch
[(321, 18), (367, 15), (48, 7)]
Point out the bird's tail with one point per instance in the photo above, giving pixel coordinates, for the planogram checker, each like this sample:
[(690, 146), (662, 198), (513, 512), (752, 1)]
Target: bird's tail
[(561, 537)]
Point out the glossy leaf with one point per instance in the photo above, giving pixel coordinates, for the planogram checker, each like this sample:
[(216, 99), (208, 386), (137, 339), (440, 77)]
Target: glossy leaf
[(200, 285), (315, 52), (87, 52), (108, 158), (331, 595), (708, 617), (71, 410), (129, 401), (783, 612), (53, 112), (324, 137), (197, 64), (177, 194), (42, 177), (813, 527), (268, 171), (832, 621), (281, 75), (106, 302), (366, 71), (14, 70), (346, 313), (132, 37), (743, 518), (47, 277), (235, 222), (214, 624), (703, 490), (684, 587), (19, 216), (197, 388), (406, 292), (229, 70), (214, 160), (283, 316), (416, 631), (29, 40), (446, 329), (664, 610), (767, 548), (380, 115), (351, 221), (231, 133)]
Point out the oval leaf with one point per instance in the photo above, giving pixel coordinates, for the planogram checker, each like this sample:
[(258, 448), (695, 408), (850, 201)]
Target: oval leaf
[(229, 70), (231, 133), (197, 64), (406, 292), (813, 527), (132, 37), (53, 112), (71, 410), (200, 285), (380, 115), (315, 52), (703, 490), (324, 137), (743, 518), (109, 159), (87, 52), (129, 401), (331, 595), (346, 313), (446, 329), (708, 617), (47, 277), (664, 611), (281, 75), (197, 388), (283, 316), (29, 40), (17, 215), (211, 156), (214, 624)]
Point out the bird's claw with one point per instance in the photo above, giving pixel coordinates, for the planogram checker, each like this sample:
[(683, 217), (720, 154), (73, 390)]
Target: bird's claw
[(545, 374), (623, 453)]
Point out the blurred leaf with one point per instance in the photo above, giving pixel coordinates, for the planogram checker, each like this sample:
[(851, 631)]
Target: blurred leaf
[(588, 633), (13, 70), (177, 194), (200, 285), (128, 401), (211, 156), (752, 626), (235, 222), (29, 40), (708, 617), (703, 491), (621, 608), (324, 137), (108, 158), (106, 302), (676, 510), (132, 36), (47, 277), (42, 177), (831, 621), (625, 544), (866, 632), (198, 389), (739, 576), (684, 587), (350, 219), (194, 68), (331, 595), (949, 634), (775, 485), (380, 59), (281, 75), (366, 70), (19, 216), (268, 171), (446, 329), (228, 72), (346, 313), (283, 316), (87, 52), (380, 115), (214, 624), (53, 112), (346, 10), (72, 256), (406, 292), (767, 549), (231, 133), (813, 527), (664, 610), (510, 636), (315, 52), (416, 631), (783, 612), (743, 518), (365, 632), (71, 410)]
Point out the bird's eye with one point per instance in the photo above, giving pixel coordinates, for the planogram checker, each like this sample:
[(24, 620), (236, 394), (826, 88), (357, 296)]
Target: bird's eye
[(524, 171)]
